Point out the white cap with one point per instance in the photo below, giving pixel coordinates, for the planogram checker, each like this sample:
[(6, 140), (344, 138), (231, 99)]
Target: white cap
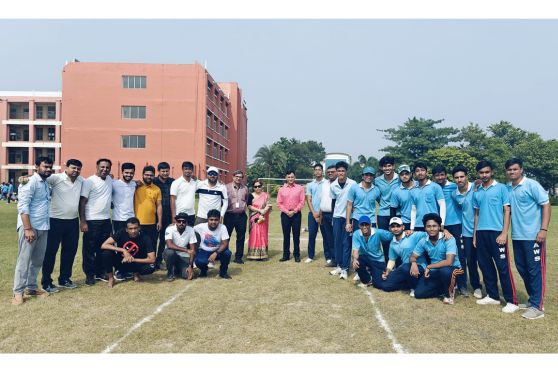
[(396, 220), (212, 169)]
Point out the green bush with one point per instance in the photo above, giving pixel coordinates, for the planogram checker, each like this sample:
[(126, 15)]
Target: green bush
[(554, 200)]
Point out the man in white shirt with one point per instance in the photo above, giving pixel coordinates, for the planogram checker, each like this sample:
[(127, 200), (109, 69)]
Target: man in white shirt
[(326, 217), (94, 214), (214, 244), (212, 195), (183, 194), (180, 248), (123, 197), (64, 225)]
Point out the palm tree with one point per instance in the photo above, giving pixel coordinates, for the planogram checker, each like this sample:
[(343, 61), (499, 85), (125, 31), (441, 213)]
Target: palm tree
[(271, 157)]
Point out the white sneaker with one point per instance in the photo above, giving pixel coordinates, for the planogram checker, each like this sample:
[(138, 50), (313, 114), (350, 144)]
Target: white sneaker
[(412, 293), (356, 278), (210, 265), (343, 275), (477, 293), (308, 260), (510, 308), (328, 262), (336, 271), (488, 301), (448, 301)]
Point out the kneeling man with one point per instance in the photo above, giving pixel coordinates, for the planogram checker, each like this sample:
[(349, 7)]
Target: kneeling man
[(129, 250), (180, 240), (214, 245)]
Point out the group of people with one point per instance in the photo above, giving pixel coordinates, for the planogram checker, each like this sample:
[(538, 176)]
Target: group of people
[(132, 227), (427, 236), (7, 191)]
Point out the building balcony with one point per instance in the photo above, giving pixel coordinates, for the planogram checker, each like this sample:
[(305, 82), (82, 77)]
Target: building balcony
[(46, 144), (31, 122)]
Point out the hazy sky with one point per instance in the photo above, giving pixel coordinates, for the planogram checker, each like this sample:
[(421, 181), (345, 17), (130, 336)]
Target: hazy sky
[(336, 82)]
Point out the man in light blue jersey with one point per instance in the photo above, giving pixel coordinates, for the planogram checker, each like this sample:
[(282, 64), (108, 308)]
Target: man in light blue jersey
[(362, 200), (453, 221), (492, 221), (368, 256), (386, 183), (313, 199), (339, 192), (440, 274), (463, 196), (401, 203), (428, 197), (530, 216)]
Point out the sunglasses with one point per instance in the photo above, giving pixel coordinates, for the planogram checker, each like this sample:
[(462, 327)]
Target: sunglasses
[(257, 186)]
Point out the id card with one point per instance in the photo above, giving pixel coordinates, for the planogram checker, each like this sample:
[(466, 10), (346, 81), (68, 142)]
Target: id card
[(237, 205)]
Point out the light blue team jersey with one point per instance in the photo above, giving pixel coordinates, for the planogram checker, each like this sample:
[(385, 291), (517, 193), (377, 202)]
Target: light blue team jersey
[(490, 203), (314, 189), (401, 199), (439, 251), (373, 247), (453, 212), (34, 200), (364, 202), (526, 200), (386, 188), (465, 203), (426, 199), (340, 196), (404, 248)]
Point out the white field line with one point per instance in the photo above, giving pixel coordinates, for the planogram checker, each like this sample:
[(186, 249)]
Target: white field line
[(148, 318), (397, 347)]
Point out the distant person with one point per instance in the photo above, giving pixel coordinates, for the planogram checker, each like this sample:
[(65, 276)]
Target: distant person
[(148, 206), (94, 215), (4, 190), (214, 245), (32, 227), (64, 225), (530, 216), (164, 182), (183, 193), (129, 250), (212, 194), (180, 249), (386, 183), (10, 191), (326, 216), (401, 203), (313, 199), (428, 197), (235, 216), (123, 191), (290, 201), (259, 205)]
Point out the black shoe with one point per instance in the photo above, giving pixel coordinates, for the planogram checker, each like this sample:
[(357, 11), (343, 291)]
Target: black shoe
[(68, 284), (102, 277), (90, 280), (51, 288), (203, 274), (238, 261), (170, 277), (283, 259), (225, 276), (297, 259)]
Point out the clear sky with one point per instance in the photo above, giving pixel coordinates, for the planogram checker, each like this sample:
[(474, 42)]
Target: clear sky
[(336, 82)]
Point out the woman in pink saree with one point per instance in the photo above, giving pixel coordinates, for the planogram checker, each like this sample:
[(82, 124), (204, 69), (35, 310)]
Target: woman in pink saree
[(259, 205)]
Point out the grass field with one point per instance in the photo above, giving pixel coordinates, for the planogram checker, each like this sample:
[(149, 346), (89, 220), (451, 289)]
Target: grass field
[(267, 307)]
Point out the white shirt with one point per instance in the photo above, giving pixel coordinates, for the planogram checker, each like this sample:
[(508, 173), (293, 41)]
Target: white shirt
[(185, 193), (211, 240), (211, 198), (123, 200), (99, 195), (64, 203), (325, 202), (182, 240)]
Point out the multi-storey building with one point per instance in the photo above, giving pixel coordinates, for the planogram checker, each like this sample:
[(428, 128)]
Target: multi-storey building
[(30, 128)]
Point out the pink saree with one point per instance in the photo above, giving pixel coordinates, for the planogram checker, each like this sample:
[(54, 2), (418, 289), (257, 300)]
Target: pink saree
[(258, 241)]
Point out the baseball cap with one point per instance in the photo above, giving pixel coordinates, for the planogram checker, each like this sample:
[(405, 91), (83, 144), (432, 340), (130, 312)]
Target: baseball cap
[(212, 169), (364, 219), (404, 168), (396, 220), (370, 170)]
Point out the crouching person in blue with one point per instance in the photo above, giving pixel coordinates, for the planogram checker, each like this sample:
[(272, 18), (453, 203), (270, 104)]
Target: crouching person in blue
[(439, 276), (128, 251), (214, 245), (368, 255)]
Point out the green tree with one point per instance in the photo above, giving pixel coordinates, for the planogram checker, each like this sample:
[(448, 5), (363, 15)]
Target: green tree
[(300, 156), (540, 161), (451, 157), (272, 158), (355, 170)]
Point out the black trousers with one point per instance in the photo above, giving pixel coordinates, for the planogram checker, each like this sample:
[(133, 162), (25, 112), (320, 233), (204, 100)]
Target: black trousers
[(98, 232), (288, 224), (237, 221), (162, 244), (67, 233), (112, 259), (151, 232)]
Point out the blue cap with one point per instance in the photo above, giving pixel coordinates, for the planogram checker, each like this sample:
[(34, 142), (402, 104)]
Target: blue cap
[(364, 219), (370, 170)]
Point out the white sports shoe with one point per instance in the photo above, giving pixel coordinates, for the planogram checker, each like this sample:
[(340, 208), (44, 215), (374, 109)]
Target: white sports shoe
[(412, 293), (477, 293), (448, 301), (356, 278), (510, 308), (328, 262), (343, 274), (336, 271), (488, 301), (210, 265), (308, 260)]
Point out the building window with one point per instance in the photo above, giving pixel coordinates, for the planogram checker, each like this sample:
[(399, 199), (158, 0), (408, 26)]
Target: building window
[(133, 112), (133, 142), (51, 134), (216, 98), (208, 147), (51, 112), (209, 119), (222, 104), (38, 112), (220, 152), (215, 123), (226, 155), (227, 108), (38, 134), (215, 150), (26, 113), (221, 129), (226, 132), (209, 88), (134, 82)]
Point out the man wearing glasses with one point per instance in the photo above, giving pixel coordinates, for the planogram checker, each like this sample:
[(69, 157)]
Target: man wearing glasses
[(180, 250), (235, 216)]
